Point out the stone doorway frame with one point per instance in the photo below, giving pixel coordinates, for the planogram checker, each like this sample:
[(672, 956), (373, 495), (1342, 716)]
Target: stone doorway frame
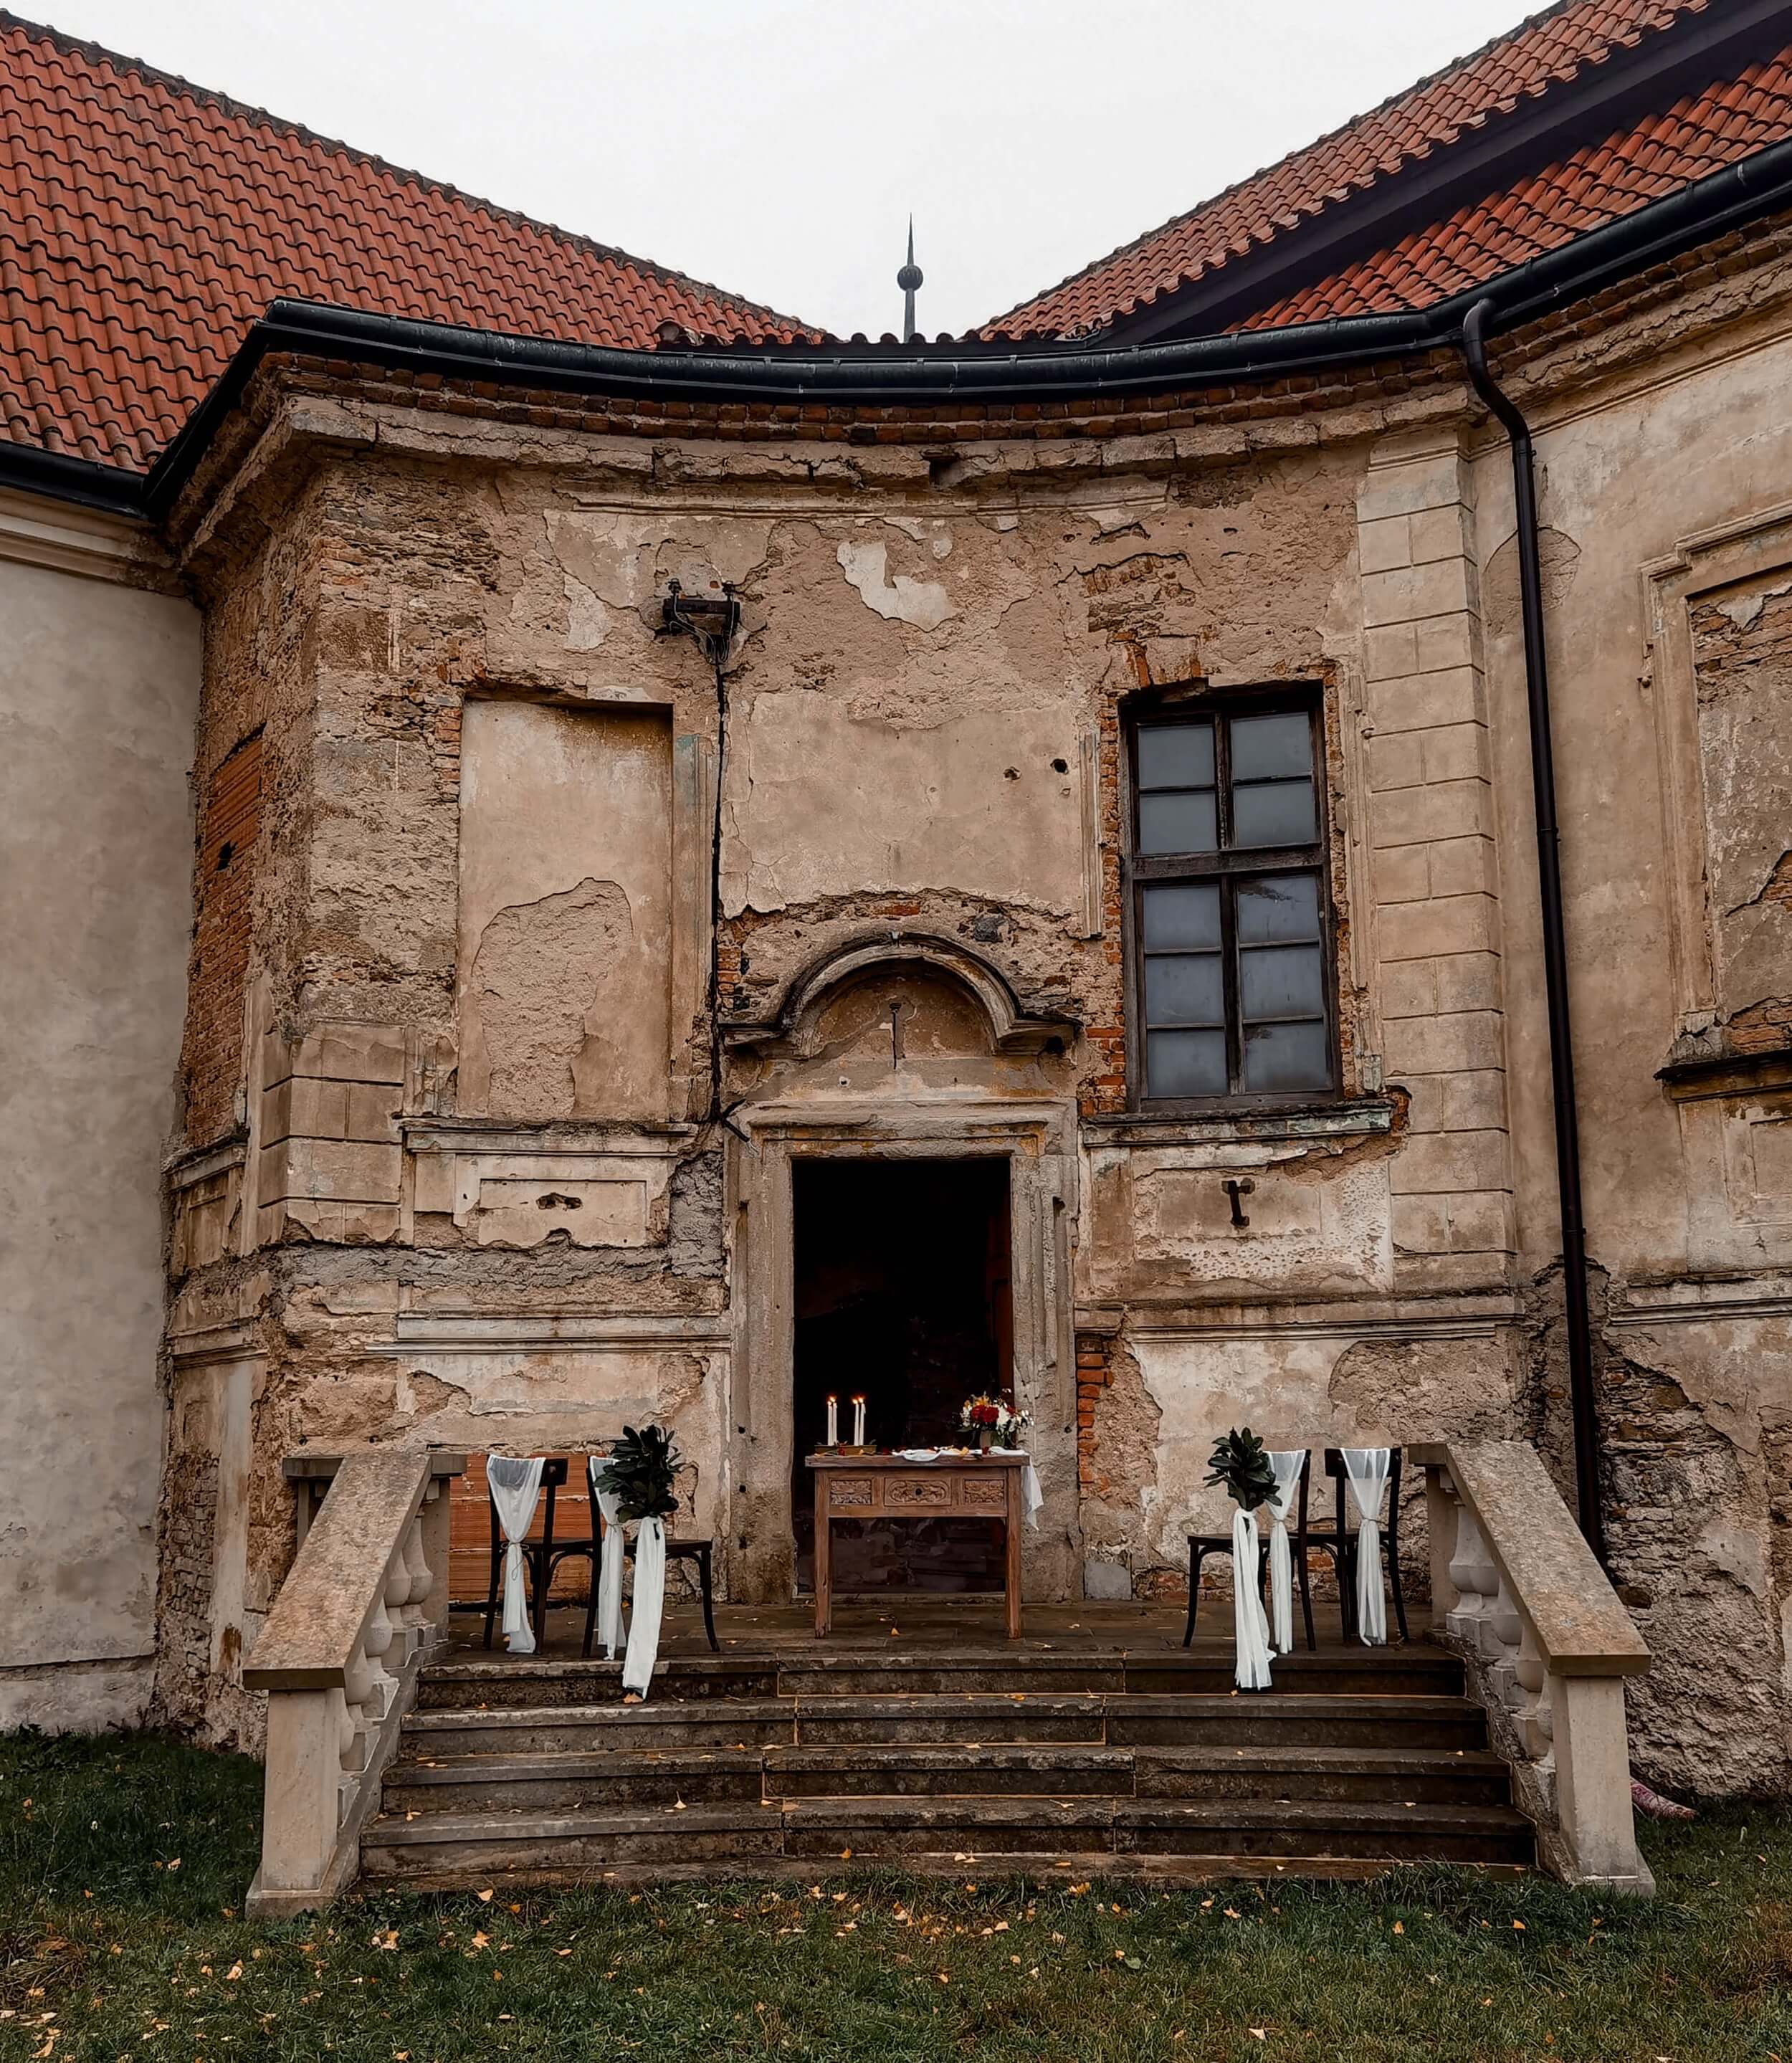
[(1037, 1139)]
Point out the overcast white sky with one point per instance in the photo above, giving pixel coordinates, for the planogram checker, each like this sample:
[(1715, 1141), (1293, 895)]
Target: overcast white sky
[(777, 146)]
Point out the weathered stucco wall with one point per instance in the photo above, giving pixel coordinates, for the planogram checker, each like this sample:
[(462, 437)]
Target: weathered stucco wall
[(506, 1181), (1667, 557), (98, 687)]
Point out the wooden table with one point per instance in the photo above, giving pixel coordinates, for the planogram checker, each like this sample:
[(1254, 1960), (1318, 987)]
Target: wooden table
[(886, 1487)]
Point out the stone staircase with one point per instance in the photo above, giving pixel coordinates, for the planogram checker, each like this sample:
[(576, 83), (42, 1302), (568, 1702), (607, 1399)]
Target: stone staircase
[(795, 1762)]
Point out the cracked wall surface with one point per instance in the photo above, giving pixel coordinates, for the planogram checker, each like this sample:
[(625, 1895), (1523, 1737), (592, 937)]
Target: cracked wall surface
[(506, 1181)]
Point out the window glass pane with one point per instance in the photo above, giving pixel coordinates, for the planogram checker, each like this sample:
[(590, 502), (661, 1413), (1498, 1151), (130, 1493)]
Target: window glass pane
[(1286, 1056), (1180, 914), (1175, 755), (1185, 988), (1183, 823), (1185, 1063), (1274, 813), (1274, 907), (1264, 747), (1279, 981)]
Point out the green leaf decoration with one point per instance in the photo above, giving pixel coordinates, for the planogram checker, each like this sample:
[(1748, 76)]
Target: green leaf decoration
[(639, 1472), (1239, 1464)]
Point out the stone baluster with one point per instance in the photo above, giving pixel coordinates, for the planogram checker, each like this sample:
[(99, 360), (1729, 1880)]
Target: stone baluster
[(1548, 1646), (337, 1654), (421, 1580)]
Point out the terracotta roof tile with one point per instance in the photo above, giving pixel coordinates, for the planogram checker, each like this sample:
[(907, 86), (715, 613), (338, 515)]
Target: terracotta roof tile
[(1701, 135), (1549, 49), (145, 223)]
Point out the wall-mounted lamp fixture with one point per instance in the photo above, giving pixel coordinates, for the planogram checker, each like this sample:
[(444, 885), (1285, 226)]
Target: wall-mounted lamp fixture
[(712, 618)]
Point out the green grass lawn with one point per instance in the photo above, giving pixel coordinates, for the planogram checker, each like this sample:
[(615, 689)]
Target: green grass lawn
[(123, 1863)]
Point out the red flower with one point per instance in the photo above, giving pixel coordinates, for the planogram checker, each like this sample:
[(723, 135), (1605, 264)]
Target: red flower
[(984, 1414)]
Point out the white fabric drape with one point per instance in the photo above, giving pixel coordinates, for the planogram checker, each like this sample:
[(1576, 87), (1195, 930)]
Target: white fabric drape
[(648, 1606), (1032, 1497), (1286, 1463), (1367, 1470), (1250, 1627), (609, 1568), (515, 1487)]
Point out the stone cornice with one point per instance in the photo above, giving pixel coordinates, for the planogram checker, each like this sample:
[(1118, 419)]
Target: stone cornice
[(36, 530)]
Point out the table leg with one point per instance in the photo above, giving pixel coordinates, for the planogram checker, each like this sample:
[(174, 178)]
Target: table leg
[(1011, 1554), (824, 1559)]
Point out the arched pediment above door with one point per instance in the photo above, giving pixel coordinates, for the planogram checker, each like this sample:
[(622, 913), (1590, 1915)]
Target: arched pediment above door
[(967, 991)]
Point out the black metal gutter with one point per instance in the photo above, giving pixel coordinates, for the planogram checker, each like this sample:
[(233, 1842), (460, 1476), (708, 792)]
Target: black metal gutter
[(1582, 1402), (910, 375)]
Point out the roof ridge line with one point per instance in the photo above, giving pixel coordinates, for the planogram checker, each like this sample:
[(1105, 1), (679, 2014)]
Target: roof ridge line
[(283, 125), (1238, 186)]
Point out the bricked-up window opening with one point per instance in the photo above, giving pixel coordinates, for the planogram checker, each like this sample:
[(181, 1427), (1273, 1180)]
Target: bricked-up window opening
[(1230, 974)]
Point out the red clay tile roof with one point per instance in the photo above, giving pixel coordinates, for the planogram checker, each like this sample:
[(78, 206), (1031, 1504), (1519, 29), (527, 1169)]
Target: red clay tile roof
[(1700, 135), (145, 223), (1542, 53)]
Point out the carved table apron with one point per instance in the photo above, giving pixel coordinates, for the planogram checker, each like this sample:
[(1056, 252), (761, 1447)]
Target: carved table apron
[(887, 1486)]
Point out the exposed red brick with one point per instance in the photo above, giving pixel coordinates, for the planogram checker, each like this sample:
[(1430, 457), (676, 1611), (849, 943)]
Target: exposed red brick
[(211, 1058)]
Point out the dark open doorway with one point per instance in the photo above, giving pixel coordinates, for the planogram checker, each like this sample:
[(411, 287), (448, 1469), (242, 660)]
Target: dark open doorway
[(902, 1294)]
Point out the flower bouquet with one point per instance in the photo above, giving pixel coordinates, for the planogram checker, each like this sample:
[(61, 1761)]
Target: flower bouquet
[(988, 1421)]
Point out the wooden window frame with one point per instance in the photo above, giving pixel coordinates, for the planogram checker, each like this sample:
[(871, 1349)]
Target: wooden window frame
[(1138, 870)]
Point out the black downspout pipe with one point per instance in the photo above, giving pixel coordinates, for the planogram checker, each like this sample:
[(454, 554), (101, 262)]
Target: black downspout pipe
[(1555, 946)]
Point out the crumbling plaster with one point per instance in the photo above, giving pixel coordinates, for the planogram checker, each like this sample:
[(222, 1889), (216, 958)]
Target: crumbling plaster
[(1677, 1223), (918, 628)]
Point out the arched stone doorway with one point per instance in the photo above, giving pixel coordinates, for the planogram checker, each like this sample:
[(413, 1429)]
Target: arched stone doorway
[(899, 1051)]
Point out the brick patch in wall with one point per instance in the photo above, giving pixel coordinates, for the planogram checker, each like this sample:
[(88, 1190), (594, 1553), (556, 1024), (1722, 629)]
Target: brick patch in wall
[(1093, 1375), (211, 1057)]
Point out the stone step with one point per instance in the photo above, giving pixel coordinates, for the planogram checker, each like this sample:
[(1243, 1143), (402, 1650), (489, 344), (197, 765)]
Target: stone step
[(1007, 1771), (1461, 1777), (1416, 1672), (875, 1828), (621, 1779), (949, 1721), (577, 1729), (1179, 1719), (455, 1847), (618, 1780), (502, 1684), (1398, 1724), (506, 1685), (1082, 1833)]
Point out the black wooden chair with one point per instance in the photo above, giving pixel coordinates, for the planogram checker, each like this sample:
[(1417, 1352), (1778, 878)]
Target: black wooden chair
[(1390, 1542), (1305, 1538), (538, 1555), (696, 1552)]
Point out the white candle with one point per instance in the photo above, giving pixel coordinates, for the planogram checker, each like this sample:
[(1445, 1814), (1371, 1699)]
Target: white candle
[(834, 1421), (858, 1421)]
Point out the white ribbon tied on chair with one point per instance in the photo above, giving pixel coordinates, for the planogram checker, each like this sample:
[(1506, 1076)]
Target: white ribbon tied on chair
[(609, 1568), (1367, 1469), (649, 1606), (1286, 1463), (1250, 1627), (515, 1487)]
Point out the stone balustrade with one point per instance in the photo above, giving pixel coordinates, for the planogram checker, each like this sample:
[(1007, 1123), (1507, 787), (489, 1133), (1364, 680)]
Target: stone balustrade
[(1517, 1592), (365, 1600)]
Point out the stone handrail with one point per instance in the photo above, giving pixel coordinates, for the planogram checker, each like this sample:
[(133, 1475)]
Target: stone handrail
[(1517, 1590), (365, 1599)]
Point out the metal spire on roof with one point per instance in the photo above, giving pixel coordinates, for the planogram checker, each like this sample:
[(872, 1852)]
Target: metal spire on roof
[(908, 280)]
